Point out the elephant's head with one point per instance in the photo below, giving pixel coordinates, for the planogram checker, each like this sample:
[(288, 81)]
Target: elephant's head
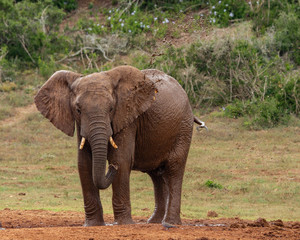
[(101, 104)]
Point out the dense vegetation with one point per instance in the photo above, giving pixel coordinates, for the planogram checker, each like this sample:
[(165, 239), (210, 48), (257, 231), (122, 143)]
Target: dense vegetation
[(254, 75)]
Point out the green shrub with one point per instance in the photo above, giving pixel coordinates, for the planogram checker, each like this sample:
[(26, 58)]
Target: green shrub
[(67, 5), (266, 114), (47, 68), (287, 91), (30, 30), (244, 75), (231, 68), (264, 13), (235, 110), (287, 35)]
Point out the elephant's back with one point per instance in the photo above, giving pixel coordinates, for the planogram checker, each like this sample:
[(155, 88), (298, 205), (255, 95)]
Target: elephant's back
[(169, 116), (165, 83), (170, 94)]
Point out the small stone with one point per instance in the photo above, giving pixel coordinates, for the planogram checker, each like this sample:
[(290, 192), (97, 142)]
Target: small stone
[(234, 225), (278, 223), (212, 214), (260, 222)]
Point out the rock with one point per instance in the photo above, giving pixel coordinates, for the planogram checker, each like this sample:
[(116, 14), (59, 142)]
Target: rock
[(167, 225), (1, 227), (237, 225), (296, 225), (234, 225), (260, 222), (212, 214), (277, 222)]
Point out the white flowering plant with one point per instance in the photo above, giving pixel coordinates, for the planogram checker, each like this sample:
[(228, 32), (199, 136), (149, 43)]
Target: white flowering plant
[(222, 12), (131, 22)]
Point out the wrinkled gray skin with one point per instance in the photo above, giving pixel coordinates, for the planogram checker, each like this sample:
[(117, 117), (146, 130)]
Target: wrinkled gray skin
[(150, 119)]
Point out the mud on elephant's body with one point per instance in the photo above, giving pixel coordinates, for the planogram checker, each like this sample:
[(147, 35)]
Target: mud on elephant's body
[(148, 115)]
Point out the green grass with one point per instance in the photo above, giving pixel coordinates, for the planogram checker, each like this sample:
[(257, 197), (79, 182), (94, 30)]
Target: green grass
[(258, 171)]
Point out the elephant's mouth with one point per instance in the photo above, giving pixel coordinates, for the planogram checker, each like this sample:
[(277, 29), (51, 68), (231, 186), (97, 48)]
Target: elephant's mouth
[(111, 140)]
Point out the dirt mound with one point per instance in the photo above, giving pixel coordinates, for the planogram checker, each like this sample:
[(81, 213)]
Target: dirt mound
[(40, 224)]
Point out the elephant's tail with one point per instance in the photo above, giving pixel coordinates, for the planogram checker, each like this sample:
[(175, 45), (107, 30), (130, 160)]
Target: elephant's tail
[(202, 124)]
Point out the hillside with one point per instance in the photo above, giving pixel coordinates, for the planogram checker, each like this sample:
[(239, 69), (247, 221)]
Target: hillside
[(223, 53)]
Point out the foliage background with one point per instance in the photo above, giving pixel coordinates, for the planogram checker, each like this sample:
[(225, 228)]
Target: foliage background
[(254, 75)]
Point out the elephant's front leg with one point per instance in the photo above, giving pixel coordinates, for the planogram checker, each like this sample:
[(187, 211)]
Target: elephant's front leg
[(92, 205), (123, 157)]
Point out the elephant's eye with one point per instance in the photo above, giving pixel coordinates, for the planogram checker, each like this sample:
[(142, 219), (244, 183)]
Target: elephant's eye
[(78, 110)]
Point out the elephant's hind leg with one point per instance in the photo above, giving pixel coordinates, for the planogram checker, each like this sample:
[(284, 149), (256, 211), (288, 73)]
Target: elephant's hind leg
[(161, 196), (174, 176)]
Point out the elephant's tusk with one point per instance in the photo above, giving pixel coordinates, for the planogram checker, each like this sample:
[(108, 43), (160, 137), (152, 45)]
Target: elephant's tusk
[(82, 143), (112, 142)]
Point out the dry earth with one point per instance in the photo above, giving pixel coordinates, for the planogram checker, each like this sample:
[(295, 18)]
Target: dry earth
[(40, 224)]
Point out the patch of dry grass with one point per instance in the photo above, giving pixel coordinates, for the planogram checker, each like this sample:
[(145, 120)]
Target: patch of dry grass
[(259, 171)]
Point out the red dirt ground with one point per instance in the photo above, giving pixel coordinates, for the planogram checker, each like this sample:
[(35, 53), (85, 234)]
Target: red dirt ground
[(40, 224)]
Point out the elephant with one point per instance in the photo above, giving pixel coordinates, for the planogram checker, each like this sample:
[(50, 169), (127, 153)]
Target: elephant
[(134, 119)]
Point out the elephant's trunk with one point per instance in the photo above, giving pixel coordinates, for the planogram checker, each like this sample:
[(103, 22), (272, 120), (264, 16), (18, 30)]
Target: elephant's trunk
[(99, 141)]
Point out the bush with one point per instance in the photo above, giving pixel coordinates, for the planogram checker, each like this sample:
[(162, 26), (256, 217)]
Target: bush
[(244, 75), (235, 110), (29, 30), (266, 114), (287, 91), (264, 13), (288, 35), (46, 69), (67, 5)]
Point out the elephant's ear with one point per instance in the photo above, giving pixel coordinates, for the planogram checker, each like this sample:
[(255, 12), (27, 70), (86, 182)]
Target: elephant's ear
[(134, 95), (53, 100)]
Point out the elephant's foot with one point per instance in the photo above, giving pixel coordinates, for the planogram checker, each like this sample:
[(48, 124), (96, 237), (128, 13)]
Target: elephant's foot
[(91, 223), (172, 220), (124, 221), (156, 218)]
